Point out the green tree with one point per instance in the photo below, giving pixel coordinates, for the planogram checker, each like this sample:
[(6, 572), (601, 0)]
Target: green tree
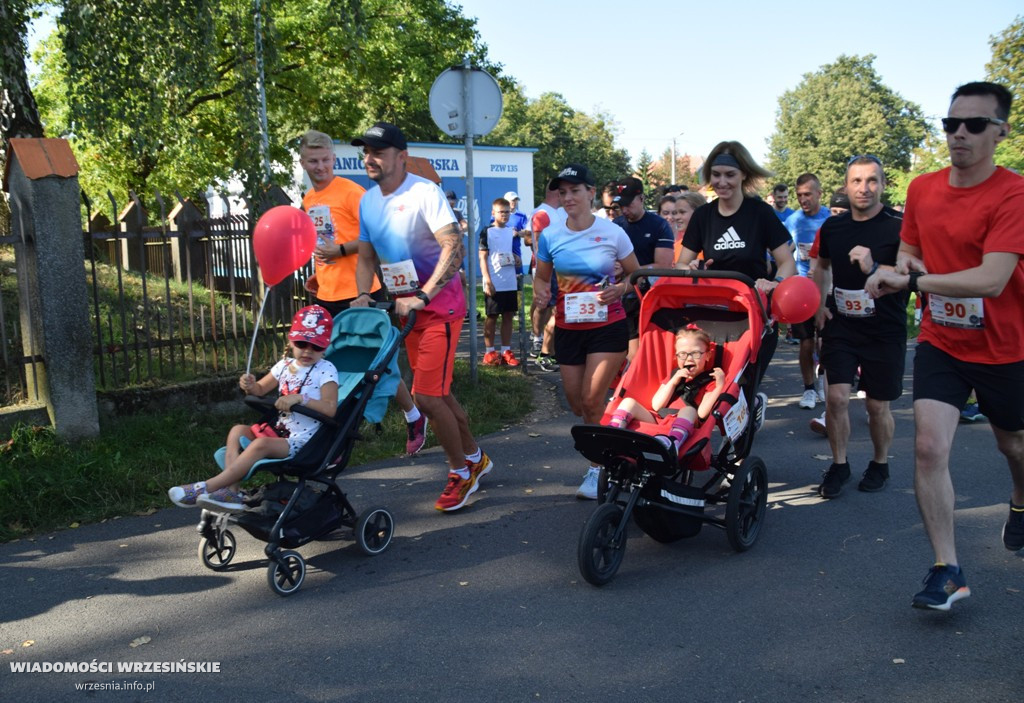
[(661, 171), (841, 110), (561, 134), (1007, 68), (162, 93), (933, 155)]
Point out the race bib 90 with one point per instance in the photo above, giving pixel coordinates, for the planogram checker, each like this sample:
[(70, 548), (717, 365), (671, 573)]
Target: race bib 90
[(965, 313)]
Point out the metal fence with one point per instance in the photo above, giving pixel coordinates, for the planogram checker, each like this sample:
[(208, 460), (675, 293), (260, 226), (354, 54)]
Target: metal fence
[(169, 301)]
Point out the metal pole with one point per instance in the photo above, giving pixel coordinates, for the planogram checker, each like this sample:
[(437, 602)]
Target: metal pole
[(474, 239), (673, 161), (262, 88)]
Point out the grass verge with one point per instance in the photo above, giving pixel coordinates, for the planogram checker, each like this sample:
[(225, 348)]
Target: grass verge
[(47, 484)]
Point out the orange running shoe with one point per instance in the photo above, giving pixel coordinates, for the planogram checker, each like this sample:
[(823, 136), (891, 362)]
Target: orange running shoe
[(492, 358), (509, 358), (458, 490)]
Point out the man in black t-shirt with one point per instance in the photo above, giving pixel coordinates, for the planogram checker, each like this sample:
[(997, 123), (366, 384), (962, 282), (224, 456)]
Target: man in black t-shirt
[(858, 331), (653, 243)]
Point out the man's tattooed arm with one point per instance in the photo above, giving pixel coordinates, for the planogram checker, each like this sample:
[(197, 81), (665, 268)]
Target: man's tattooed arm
[(448, 262)]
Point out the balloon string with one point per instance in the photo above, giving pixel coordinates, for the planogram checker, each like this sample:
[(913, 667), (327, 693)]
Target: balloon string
[(256, 329)]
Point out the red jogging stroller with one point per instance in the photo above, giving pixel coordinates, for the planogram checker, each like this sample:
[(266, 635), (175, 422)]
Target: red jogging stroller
[(671, 498)]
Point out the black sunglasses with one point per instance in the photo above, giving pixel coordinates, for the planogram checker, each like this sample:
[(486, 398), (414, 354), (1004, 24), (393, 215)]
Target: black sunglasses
[(307, 345), (866, 157), (975, 125)]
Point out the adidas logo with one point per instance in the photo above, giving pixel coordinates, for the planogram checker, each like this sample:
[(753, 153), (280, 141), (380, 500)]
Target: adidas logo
[(729, 240)]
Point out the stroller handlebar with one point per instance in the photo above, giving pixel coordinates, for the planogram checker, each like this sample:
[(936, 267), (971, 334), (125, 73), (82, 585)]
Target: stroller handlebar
[(646, 273)]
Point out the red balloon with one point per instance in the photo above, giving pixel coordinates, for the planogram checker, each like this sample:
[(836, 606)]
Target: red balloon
[(539, 221), (284, 239), (795, 300)]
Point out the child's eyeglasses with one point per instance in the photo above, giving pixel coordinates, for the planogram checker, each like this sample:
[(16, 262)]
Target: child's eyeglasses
[(695, 355), (307, 345), (975, 125)]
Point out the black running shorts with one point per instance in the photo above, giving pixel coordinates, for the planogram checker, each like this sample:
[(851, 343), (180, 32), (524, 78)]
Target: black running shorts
[(998, 387), (572, 346), (501, 301), (881, 363)]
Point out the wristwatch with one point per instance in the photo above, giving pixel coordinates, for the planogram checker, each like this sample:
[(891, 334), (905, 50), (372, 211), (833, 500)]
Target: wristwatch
[(423, 296), (912, 281)]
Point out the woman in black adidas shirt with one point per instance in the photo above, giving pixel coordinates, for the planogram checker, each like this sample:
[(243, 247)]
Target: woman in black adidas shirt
[(736, 232)]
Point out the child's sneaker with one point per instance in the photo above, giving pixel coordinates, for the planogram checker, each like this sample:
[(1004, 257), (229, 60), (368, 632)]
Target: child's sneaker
[(185, 496), (416, 435), (223, 499), (492, 358), (508, 358), (943, 586)]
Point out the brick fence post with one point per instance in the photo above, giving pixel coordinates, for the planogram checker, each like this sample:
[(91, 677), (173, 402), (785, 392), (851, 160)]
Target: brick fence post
[(42, 179)]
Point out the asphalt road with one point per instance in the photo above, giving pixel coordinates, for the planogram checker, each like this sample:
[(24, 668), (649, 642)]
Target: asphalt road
[(487, 604)]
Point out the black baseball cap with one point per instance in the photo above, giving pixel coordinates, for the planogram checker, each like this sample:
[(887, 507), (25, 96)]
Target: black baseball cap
[(382, 135), (572, 173), (628, 190), (840, 199)]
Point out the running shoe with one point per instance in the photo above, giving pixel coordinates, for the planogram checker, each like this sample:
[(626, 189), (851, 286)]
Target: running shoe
[(416, 435), (971, 413), (760, 407), (588, 489), (1013, 530), (186, 496), (818, 426), (492, 358), (535, 348), (223, 499), (547, 363), (509, 359), (832, 480), (809, 399), (875, 477), (458, 489), (943, 586)]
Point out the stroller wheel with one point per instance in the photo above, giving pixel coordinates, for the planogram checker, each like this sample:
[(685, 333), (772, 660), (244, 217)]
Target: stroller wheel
[(748, 498), (286, 573), (599, 554), (217, 554), (374, 531)]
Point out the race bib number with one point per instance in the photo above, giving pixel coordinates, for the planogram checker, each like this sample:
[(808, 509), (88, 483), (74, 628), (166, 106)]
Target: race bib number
[(583, 307), (737, 419), (503, 259), (965, 313), (804, 251), (400, 277), (854, 303), (321, 216)]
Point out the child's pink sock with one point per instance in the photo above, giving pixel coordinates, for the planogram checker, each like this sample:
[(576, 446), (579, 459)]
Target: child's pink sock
[(620, 418), (681, 429)]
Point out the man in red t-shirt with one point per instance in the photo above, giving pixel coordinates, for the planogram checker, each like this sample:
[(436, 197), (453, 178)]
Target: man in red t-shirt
[(962, 247)]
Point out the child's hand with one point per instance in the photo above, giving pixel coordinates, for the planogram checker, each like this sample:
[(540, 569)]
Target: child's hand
[(285, 402), (719, 378), (247, 383)]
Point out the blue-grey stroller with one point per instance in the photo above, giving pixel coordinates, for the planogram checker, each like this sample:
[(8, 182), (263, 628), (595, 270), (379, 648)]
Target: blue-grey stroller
[(306, 503)]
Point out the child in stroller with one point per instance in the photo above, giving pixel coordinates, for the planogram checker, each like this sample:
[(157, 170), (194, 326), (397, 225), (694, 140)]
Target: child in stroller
[(304, 378), (689, 381)]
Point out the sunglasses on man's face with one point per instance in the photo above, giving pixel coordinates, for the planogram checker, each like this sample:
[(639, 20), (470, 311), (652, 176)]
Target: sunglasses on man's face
[(975, 125), (307, 345)]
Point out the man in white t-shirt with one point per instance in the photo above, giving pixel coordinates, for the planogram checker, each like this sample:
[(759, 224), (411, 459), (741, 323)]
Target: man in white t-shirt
[(406, 226)]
